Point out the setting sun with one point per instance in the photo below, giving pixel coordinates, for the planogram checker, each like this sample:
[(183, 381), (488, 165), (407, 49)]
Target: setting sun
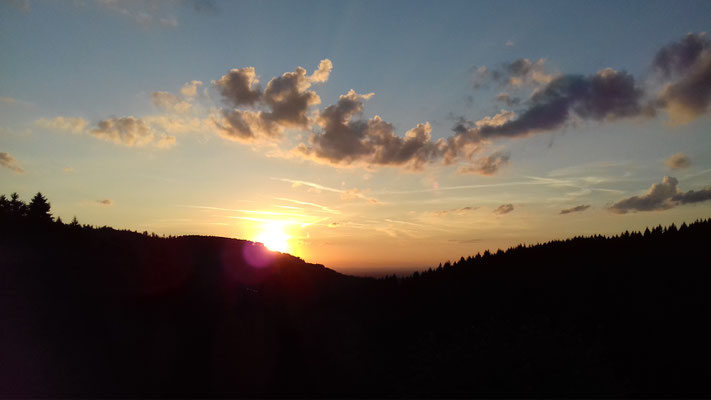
[(273, 237)]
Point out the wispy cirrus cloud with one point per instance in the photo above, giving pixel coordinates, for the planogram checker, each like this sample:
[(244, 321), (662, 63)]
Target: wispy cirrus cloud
[(346, 194)]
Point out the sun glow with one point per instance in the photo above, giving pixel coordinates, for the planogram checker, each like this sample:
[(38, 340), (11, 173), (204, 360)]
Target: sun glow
[(274, 237)]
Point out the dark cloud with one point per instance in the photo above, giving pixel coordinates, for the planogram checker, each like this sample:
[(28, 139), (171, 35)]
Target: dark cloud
[(679, 57), (487, 165), (606, 95), (693, 196), (239, 87), (504, 209), (344, 140), (8, 161), (678, 161), (575, 209), (687, 65), (661, 196), (287, 100)]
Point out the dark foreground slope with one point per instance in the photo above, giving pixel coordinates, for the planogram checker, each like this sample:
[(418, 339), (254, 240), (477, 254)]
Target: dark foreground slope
[(87, 312)]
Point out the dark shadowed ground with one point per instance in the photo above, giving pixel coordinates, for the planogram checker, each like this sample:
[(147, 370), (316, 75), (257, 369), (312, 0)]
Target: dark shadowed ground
[(100, 312)]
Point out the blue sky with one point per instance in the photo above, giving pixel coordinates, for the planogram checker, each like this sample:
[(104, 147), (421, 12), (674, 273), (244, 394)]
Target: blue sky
[(92, 61)]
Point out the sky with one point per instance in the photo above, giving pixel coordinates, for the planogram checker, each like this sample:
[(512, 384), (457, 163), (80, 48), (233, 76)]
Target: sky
[(369, 136)]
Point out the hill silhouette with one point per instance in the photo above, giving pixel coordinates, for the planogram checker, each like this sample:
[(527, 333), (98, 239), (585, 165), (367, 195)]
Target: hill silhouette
[(100, 312)]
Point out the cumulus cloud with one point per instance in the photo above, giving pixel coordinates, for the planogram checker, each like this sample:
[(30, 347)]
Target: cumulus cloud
[(286, 100), (64, 124), (323, 72), (130, 131), (680, 57), (678, 161), (9, 162), (239, 87), (661, 196), (105, 202), (575, 209), (487, 165), (504, 209), (687, 63), (170, 102), (344, 140)]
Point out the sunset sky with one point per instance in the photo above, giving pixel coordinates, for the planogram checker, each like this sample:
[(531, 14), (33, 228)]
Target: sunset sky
[(369, 135)]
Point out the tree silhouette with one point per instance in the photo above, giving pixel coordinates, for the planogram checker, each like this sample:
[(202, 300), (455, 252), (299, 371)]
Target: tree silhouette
[(38, 209), (18, 208)]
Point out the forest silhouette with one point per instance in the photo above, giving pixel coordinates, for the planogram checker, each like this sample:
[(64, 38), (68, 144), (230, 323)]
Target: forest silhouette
[(94, 311)]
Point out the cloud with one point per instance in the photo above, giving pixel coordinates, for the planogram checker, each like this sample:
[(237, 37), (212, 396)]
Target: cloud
[(189, 90), (130, 131), (170, 102), (9, 162), (64, 124), (661, 196), (346, 194), (455, 211), (605, 95), (487, 165), (509, 43), (344, 140), (508, 99), (105, 202), (323, 72), (517, 73), (680, 57), (287, 100), (165, 141), (574, 209), (693, 196), (239, 87), (687, 63), (504, 209), (678, 161)]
